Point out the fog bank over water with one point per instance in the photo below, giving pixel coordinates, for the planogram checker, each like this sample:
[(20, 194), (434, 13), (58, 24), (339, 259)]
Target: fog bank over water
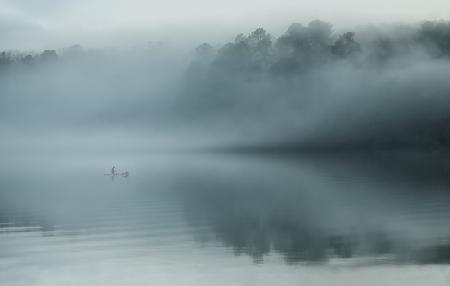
[(311, 85), (313, 154)]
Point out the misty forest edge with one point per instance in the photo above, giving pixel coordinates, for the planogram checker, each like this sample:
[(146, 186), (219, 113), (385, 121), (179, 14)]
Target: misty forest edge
[(217, 77)]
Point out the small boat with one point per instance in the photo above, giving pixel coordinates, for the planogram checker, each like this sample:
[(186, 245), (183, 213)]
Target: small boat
[(115, 174), (123, 174)]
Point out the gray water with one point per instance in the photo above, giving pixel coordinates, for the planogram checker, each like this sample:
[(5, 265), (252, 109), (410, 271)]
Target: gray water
[(378, 218)]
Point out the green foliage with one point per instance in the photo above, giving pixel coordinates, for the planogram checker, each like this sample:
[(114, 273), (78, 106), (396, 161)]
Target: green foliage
[(5, 59), (382, 50), (346, 46), (247, 53), (436, 37), (204, 50), (49, 55), (302, 47), (8, 59)]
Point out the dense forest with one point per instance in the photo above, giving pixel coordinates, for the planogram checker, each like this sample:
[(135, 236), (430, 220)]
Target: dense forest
[(373, 88), (311, 86), (300, 48)]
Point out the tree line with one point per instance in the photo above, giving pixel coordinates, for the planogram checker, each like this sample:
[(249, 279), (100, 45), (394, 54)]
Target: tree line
[(299, 48), (302, 47)]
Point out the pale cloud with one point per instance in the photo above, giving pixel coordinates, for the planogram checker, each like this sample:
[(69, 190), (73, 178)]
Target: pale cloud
[(97, 22)]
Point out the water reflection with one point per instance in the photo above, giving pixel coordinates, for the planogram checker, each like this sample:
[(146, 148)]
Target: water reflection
[(363, 208), (377, 207)]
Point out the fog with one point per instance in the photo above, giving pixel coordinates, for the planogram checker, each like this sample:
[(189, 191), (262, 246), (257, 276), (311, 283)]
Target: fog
[(380, 86), (249, 147), (44, 24)]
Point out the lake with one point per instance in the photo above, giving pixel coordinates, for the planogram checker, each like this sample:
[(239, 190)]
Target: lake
[(224, 218)]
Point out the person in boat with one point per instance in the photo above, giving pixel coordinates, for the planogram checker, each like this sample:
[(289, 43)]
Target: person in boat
[(113, 170)]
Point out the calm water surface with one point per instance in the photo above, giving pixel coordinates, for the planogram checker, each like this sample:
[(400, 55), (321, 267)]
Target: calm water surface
[(380, 218)]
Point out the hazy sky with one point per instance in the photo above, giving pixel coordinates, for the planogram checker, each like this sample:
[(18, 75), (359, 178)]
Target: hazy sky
[(37, 24)]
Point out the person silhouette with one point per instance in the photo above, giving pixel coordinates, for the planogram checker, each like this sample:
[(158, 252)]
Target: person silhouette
[(113, 170)]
